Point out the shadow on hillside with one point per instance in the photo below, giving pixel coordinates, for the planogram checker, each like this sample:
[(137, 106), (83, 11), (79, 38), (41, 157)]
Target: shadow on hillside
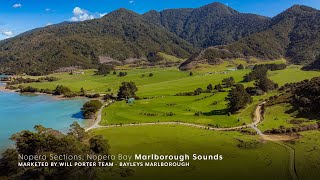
[(217, 112)]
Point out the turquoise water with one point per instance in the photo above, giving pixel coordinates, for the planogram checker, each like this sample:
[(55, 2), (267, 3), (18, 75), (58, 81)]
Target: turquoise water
[(22, 112)]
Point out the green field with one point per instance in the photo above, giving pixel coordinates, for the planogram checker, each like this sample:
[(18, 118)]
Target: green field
[(263, 161), (276, 116), (160, 89), (158, 103), (307, 155)]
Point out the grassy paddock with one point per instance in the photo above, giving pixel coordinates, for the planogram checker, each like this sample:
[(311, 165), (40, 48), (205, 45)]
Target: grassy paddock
[(307, 155), (257, 162), (165, 83), (277, 115)]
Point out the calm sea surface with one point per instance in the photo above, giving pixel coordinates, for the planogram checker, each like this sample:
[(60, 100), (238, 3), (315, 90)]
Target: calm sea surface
[(22, 112)]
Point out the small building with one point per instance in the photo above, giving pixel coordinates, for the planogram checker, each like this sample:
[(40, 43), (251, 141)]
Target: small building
[(131, 101)]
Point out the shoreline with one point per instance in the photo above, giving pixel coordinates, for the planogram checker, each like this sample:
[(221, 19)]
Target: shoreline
[(57, 97), (88, 122)]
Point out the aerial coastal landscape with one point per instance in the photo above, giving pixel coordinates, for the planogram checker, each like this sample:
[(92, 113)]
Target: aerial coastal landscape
[(210, 90)]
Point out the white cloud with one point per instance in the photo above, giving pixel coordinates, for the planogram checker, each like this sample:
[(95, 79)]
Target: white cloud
[(103, 14), (79, 11), (81, 15), (7, 33), (131, 2), (48, 24), (18, 5), (48, 9)]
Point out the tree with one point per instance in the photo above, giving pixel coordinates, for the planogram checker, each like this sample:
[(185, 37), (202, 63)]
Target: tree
[(228, 82), (218, 87), (238, 98), (151, 74), (77, 131), (209, 87), (127, 90), (82, 92), (154, 57), (240, 67), (121, 74), (114, 72), (60, 90), (191, 73), (45, 141), (90, 108), (99, 145), (104, 69), (257, 73), (265, 84)]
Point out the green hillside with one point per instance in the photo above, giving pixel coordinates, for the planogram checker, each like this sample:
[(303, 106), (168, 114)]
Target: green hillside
[(119, 36)]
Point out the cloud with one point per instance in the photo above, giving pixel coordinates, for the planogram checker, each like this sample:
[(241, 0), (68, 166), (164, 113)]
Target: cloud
[(102, 14), (81, 15), (48, 9), (78, 11), (7, 33), (17, 5), (131, 2), (49, 24)]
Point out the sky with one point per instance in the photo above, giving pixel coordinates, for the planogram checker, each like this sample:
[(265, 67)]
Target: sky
[(17, 16)]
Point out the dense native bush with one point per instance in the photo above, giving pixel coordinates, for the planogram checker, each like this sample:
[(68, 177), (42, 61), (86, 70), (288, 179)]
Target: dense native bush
[(304, 96)]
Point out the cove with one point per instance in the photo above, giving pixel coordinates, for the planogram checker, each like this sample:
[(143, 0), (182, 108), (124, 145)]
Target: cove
[(22, 112)]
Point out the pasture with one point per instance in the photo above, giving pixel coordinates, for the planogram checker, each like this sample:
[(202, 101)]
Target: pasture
[(255, 160), (158, 101)]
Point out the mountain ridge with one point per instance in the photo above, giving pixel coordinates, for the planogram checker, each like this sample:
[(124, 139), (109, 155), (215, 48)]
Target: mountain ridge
[(212, 24), (293, 34), (120, 35)]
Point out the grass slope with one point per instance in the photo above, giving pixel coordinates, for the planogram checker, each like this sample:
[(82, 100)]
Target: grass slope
[(307, 155), (166, 82), (260, 162)]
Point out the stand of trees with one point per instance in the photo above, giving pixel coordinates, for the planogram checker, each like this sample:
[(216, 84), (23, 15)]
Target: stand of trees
[(257, 73), (127, 90), (21, 80), (238, 98), (263, 83), (90, 108), (228, 82), (104, 69), (45, 141)]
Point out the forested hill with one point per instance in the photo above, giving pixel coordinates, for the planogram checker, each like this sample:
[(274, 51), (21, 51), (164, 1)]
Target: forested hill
[(293, 34), (213, 24), (120, 35)]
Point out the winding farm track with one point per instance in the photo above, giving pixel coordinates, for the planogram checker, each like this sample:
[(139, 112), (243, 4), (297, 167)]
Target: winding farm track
[(256, 120), (98, 118)]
